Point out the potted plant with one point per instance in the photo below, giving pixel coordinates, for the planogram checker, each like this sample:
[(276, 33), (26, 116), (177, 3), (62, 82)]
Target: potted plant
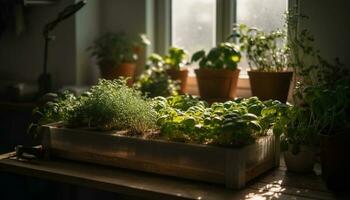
[(324, 88), (267, 58), (116, 56), (330, 102), (299, 138), (174, 61), (218, 74), (155, 81)]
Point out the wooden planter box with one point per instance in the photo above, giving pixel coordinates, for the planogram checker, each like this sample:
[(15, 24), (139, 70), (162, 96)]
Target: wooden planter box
[(232, 167)]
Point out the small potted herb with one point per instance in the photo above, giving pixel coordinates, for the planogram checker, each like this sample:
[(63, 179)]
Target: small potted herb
[(116, 55), (331, 105), (299, 132), (174, 62), (218, 74), (267, 58), (155, 81)]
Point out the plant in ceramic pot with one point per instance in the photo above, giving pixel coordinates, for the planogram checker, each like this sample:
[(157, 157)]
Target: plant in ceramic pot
[(174, 61), (116, 55), (267, 58), (218, 74), (155, 81), (299, 131)]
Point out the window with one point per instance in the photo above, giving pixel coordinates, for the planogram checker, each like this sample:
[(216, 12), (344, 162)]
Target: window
[(201, 24), (193, 24)]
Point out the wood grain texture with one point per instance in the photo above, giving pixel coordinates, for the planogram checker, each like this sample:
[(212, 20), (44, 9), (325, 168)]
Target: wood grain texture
[(193, 161), (276, 184)]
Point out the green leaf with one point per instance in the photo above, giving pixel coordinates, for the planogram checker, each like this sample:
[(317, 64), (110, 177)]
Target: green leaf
[(197, 56)]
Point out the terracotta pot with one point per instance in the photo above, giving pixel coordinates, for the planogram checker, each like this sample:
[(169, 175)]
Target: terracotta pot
[(334, 160), (110, 72), (214, 84), (270, 85), (303, 162), (181, 76)]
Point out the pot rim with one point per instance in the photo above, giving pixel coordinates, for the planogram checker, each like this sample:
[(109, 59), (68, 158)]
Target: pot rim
[(209, 69), (273, 72)]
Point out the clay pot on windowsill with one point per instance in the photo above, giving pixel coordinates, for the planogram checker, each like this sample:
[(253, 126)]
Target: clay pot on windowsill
[(270, 85), (181, 76), (217, 84), (109, 71)]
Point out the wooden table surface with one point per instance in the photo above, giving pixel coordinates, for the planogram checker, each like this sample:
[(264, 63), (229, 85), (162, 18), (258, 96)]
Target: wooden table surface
[(275, 184)]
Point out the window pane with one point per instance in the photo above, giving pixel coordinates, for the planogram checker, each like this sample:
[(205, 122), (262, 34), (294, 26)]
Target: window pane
[(193, 24), (264, 14)]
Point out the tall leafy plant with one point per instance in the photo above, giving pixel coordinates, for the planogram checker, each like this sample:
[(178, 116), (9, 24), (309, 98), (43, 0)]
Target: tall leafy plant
[(266, 52), (323, 87)]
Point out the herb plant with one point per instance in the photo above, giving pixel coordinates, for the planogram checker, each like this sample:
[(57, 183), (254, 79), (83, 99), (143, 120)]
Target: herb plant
[(266, 52), (57, 109), (297, 127), (233, 123), (176, 58), (114, 48), (224, 56), (323, 86), (154, 81), (329, 104), (109, 105)]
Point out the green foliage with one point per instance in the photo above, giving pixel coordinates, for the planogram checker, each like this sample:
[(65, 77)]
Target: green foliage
[(57, 110), (224, 56), (154, 81), (114, 48), (233, 123), (266, 52), (329, 104), (325, 110), (110, 105), (176, 58), (298, 127), (323, 88), (305, 59)]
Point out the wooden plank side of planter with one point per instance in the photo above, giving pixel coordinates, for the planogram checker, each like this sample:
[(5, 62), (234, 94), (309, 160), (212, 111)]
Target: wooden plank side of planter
[(261, 156), (232, 167)]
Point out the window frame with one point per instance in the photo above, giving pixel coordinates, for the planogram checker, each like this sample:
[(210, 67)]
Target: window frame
[(160, 33), (225, 17)]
